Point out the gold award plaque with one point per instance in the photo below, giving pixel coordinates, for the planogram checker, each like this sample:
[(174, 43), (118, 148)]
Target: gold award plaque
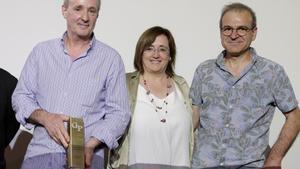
[(75, 150)]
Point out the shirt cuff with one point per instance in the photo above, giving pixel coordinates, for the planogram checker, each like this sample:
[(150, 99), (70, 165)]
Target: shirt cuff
[(23, 115)]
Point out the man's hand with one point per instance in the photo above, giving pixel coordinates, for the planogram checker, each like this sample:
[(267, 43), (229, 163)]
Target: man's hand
[(89, 148), (272, 164), (287, 136), (54, 124)]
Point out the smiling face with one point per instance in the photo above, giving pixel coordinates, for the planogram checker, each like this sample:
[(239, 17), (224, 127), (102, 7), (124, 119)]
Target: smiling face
[(236, 44), (81, 16), (156, 56)]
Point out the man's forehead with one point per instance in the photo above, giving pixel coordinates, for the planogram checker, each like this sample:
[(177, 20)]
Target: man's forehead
[(83, 2), (237, 16)]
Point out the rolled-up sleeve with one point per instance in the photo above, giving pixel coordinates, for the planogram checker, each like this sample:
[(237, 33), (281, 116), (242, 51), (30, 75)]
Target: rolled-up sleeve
[(117, 113), (23, 99)]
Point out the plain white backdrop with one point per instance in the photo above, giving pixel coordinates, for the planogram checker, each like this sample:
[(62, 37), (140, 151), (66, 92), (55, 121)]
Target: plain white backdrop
[(194, 24)]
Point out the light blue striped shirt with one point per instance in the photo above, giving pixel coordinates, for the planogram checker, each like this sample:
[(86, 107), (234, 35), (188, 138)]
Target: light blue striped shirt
[(92, 87)]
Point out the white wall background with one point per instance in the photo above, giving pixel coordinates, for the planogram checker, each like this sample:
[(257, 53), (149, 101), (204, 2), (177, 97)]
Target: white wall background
[(194, 24)]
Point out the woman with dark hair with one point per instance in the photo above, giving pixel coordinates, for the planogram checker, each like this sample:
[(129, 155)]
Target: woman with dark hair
[(160, 134)]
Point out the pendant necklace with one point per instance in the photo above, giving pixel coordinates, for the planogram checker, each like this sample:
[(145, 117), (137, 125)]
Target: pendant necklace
[(163, 108)]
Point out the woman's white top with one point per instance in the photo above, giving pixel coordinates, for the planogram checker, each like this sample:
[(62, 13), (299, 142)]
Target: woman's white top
[(158, 144)]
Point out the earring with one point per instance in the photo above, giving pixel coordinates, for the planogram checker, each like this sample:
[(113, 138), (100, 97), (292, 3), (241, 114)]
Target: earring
[(170, 58)]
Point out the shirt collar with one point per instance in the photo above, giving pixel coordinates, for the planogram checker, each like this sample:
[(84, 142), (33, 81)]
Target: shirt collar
[(220, 58), (92, 43)]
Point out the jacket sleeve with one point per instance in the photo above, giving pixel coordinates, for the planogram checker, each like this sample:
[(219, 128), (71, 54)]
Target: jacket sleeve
[(11, 124)]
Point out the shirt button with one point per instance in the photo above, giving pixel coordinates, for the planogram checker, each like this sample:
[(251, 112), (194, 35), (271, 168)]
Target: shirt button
[(221, 164), (230, 106), (227, 125), (224, 145), (233, 87)]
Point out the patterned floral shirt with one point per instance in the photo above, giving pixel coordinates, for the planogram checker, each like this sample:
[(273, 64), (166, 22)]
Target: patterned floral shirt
[(236, 112)]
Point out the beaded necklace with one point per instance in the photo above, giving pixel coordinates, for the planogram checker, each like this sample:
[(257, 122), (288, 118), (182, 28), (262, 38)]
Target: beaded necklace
[(159, 109)]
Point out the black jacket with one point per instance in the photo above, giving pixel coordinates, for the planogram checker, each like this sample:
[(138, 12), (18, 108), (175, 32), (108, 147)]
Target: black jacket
[(8, 123)]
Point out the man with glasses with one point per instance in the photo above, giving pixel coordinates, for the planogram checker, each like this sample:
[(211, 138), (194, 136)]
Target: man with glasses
[(235, 96)]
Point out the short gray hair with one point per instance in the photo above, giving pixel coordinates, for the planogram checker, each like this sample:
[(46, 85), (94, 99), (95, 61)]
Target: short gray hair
[(66, 4), (238, 7)]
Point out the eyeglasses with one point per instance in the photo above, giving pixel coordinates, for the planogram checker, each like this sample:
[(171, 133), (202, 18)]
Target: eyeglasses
[(161, 50), (241, 30)]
